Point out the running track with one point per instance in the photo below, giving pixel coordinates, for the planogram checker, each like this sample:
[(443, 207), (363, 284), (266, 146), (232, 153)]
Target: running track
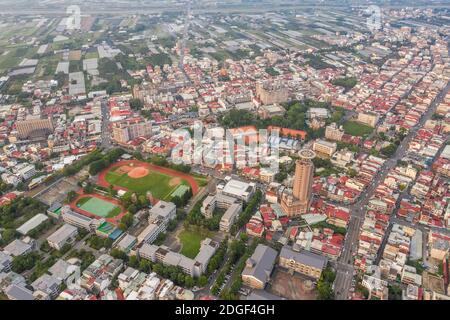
[(114, 220), (169, 172)]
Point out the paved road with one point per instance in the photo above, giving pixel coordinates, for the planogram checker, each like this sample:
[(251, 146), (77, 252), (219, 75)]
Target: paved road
[(106, 134), (344, 279)]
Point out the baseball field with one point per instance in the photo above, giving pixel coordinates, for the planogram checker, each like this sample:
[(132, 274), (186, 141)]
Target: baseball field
[(141, 177)]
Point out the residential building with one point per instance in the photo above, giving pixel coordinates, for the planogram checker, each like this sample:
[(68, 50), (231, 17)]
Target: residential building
[(411, 292), (266, 175), (129, 129), (332, 132), (19, 292), (25, 171), (270, 92), (61, 270), (48, 285), (5, 262), (377, 288), (439, 249), (99, 274), (410, 276)]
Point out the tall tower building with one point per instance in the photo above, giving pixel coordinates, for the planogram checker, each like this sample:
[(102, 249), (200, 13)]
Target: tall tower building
[(298, 201), (304, 174)]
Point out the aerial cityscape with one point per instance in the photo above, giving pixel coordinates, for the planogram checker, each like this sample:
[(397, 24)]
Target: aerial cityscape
[(224, 150)]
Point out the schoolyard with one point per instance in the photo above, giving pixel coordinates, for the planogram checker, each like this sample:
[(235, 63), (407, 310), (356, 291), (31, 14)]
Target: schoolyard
[(141, 177)]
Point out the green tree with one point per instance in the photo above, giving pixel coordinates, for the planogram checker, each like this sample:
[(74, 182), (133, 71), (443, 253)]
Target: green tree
[(133, 262), (325, 283), (25, 262), (189, 281), (89, 188), (347, 83), (118, 254), (136, 104), (97, 166), (145, 266), (158, 268), (244, 237), (202, 281), (71, 195), (389, 150), (159, 59), (9, 235), (127, 220), (111, 191), (352, 173)]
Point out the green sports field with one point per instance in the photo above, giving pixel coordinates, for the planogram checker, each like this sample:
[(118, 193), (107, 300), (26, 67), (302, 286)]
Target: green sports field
[(99, 207), (357, 129), (157, 183)]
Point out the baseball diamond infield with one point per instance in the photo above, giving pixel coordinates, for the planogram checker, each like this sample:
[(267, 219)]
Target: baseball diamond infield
[(140, 177)]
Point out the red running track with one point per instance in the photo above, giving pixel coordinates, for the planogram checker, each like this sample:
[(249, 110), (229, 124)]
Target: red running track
[(170, 172), (114, 220)]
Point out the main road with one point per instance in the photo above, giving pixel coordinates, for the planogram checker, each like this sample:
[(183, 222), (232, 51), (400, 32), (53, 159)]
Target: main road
[(106, 134), (344, 273)]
